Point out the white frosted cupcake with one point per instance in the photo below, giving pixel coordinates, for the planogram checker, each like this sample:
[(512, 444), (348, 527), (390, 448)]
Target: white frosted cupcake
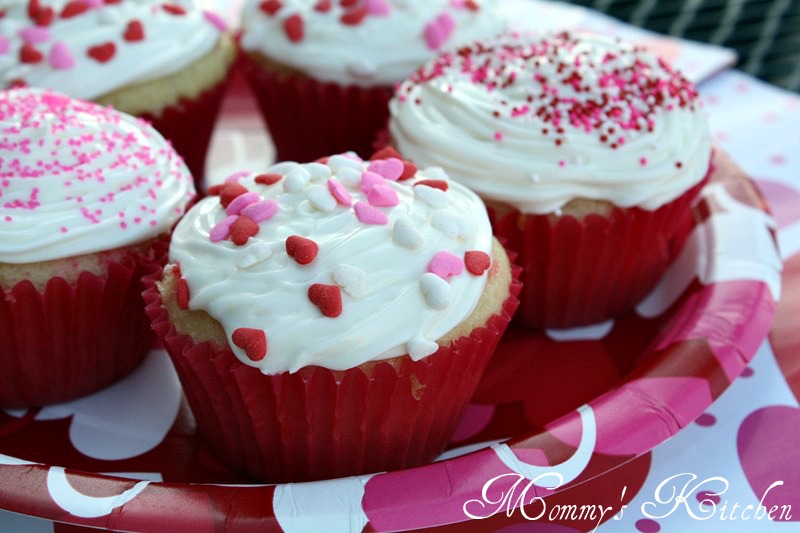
[(330, 319), (589, 152)]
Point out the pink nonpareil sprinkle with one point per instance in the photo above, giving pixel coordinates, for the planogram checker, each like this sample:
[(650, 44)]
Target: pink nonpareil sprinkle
[(498, 136)]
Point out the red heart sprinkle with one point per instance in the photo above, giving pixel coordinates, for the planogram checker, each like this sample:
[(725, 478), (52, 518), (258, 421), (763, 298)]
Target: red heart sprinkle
[(242, 229), (472, 5), (172, 9), (29, 54), (17, 84), (33, 8), (270, 7), (348, 3), (252, 341), (354, 17), (323, 6), (134, 31), (74, 8), (102, 52), (303, 250), (387, 152), (215, 189), (230, 191), (327, 297), (293, 28), (409, 171), (477, 262), (268, 179), (44, 16), (111, 2), (182, 294), (436, 184)]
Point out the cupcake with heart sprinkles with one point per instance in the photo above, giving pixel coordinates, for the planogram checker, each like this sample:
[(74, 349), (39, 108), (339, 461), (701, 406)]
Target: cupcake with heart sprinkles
[(166, 62), (88, 196), (332, 318), (588, 151), (323, 70)]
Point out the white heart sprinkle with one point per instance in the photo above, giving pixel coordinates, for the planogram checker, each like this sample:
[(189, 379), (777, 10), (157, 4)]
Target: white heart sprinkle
[(420, 347), (436, 198), (253, 254), (405, 234), (447, 223), (436, 290), (338, 162), (283, 167), (320, 197), (349, 177), (435, 173), (296, 179), (318, 171), (351, 279)]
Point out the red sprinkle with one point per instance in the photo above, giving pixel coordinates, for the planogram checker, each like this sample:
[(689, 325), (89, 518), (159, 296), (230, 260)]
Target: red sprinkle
[(252, 341), (301, 249), (173, 9), (472, 5), (134, 31), (348, 3), (436, 184), (230, 191), (354, 17), (270, 7), (182, 294), (214, 189), (74, 8), (113, 2), (327, 297), (242, 229), (268, 179), (44, 16), (29, 54), (477, 262), (386, 153), (102, 52), (323, 6), (293, 28), (409, 171)]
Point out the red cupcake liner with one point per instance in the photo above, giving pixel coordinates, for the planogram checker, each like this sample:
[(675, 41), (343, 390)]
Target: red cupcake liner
[(580, 272), (318, 423), (73, 339), (308, 119), (189, 124)]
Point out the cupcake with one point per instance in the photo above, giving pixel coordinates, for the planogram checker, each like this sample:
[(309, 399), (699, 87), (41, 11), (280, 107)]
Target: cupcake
[(323, 70), (88, 195), (332, 318), (589, 152), (166, 62)]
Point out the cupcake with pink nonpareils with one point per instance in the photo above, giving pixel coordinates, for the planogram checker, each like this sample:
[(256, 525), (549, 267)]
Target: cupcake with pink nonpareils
[(589, 152), (166, 62), (88, 197), (369, 289), (323, 70)]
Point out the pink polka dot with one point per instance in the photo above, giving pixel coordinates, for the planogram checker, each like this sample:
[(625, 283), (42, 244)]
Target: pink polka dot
[(706, 420), (645, 525), (708, 496)]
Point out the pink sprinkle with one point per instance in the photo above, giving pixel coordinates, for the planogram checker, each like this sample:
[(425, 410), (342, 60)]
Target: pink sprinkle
[(562, 163), (63, 229), (379, 8), (438, 32), (498, 136), (369, 180), (222, 229), (242, 201), (35, 34), (260, 211), (3, 44), (233, 178), (215, 20), (382, 195), (391, 168), (8, 218), (339, 192), (445, 265), (60, 57), (369, 214), (643, 161)]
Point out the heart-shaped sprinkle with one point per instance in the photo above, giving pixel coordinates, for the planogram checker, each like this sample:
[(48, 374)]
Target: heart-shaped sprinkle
[(405, 234), (435, 198), (240, 202), (229, 192), (43, 16), (382, 195), (321, 198), (221, 230), (391, 168), (134, 31), (350, 177), (369, 180), (318, 171), (295, 180), (369, 214), (438, 31), (420, 348), (261, 211), (182, 294), (477, 262), (323, 6), (268, 179), (378, 8), (254, 253), (348, 3), (301, 249), (252, 341), (60, 57), (327, 297), (354, 17), (102, 53), (34, 34), (409, 171), (293, 28), (385, 153), (472, 5), (215, 20), (351, 279), (174, 9), (4, 44), (442, 185), (29, 54), (437, 291), (445, 265), (270, 7), (242, 229), (340, 161), (74, 8), (213, 190), (451, 225), (339, 192)]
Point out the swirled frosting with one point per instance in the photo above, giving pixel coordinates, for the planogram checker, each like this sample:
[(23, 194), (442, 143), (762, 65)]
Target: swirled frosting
[(334, 264), (78, 178), (538, 121), (363, 42), (89, 48)]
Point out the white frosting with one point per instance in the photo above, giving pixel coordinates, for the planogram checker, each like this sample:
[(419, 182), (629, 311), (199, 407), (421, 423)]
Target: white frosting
[(383, 49), (170, 43), (484, 122), (387, 308), (78, 178)]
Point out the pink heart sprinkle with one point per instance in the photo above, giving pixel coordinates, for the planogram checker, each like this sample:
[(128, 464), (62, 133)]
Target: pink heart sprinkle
[(445, 264), (447, 23), (369, 180), (34, 34), (391, 168), (260, 211), (370, 215), (378, 8), (215, 20), (242, 201), (60, 57), (94, 3), (439, 30), (339, 192), (382, 195), (3, 44), (222, 229)]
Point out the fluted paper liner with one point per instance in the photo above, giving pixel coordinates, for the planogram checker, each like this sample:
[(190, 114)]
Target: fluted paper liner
[(308, 119), (318, 423)]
